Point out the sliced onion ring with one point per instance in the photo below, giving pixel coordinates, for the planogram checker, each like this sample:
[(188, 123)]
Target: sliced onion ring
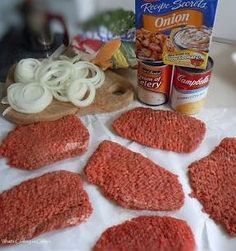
[(60, 95), (25, 70), (82, 73), (55, 74), (6, 111), (4, 101), (30, 98), (81, 93), (73, 60), (98, 76)]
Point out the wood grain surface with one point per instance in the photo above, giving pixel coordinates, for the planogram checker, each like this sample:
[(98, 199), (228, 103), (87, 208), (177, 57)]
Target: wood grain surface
[(115, 94)]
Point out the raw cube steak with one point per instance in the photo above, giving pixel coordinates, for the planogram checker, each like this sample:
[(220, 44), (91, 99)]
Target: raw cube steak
[(164, 130), (132, 180), (36, 145), (213, 180), (148, 234), (53, 201)]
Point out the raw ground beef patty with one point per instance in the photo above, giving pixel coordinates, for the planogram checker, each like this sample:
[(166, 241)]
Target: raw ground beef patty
[(164, 130), (52, 201), (148, 234), (213, 180), (132, 180), (36, 145)]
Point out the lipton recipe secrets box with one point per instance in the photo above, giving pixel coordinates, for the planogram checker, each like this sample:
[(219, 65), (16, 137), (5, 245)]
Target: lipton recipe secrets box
[(177, 32)]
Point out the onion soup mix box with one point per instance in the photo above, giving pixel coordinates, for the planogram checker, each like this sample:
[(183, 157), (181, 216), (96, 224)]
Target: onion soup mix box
[(177, 32)]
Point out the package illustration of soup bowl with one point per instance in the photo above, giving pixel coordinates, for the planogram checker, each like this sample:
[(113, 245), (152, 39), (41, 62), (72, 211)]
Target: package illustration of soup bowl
[(177, 32)]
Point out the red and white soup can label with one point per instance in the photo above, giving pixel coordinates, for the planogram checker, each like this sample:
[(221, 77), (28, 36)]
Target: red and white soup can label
[(190, 89)]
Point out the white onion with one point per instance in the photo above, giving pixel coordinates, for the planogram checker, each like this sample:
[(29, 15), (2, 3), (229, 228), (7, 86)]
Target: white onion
[(56, 74), (60, 95), (4, 101), (81, 73), (81, 93), (77, 89), (73, 60), (98, 76), (5, 112), (25, 70), (66, 79), (30, 98)]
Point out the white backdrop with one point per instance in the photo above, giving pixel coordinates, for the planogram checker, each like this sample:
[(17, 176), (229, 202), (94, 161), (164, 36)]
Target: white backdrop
[(226, 20)]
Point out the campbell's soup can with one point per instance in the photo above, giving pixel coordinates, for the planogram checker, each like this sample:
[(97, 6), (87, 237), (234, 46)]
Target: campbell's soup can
[(154, 81), (190, 88)]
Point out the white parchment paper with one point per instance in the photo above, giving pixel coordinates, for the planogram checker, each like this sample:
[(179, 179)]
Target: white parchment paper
[(209, 236)]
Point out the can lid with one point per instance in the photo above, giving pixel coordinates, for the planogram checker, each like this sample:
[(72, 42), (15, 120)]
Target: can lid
[(210, 65), (152, 63)]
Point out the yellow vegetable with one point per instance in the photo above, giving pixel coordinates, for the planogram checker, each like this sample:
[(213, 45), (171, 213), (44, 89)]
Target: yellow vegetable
[(120, 60)]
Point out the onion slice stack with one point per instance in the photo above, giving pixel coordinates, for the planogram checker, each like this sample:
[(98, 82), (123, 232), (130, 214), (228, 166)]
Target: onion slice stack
[(65, 79)]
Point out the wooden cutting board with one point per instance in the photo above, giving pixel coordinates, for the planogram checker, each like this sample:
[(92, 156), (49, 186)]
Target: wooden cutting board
[(115, 94)]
